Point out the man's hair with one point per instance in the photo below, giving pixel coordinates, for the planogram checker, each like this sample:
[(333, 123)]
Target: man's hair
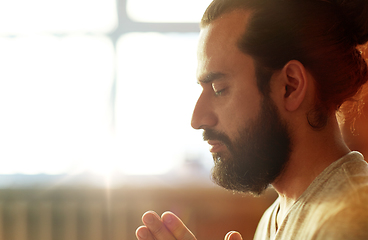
[(322, 34)]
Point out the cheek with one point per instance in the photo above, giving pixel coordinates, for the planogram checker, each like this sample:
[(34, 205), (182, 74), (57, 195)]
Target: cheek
[(238, 113)]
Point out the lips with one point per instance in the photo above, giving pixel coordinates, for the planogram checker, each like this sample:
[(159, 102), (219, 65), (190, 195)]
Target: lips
[(216, 146)]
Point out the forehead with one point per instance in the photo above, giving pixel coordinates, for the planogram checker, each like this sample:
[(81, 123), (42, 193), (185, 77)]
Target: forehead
[(218, 45)]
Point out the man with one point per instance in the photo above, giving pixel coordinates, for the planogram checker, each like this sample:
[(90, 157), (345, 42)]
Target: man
[(274, 73)]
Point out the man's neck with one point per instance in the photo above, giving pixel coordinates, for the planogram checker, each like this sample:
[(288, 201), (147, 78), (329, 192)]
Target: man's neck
[(312, 152)]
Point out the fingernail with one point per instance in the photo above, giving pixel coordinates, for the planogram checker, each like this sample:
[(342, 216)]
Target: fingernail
[(167, 219), (142, 234), (148, 218), (235, 236)]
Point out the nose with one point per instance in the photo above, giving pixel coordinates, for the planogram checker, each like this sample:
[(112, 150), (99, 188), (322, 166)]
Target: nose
[(203, 115)]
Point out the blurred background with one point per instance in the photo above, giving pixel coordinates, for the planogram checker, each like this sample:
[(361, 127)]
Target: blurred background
[(96, 99)]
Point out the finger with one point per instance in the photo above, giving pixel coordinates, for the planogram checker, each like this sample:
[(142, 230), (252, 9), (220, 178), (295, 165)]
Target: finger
[(177, 227), (156, 227), (233, 236), (142, 233), (227, 235)]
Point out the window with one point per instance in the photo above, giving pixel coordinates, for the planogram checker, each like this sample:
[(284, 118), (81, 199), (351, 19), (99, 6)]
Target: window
[(98, 86), (166, 10)]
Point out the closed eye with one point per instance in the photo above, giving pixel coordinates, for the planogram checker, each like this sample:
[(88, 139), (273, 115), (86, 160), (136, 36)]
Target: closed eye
[(218, 88), (220, 92)]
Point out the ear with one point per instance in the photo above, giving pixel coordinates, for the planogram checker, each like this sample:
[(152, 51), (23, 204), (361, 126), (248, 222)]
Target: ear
[(295, 83)]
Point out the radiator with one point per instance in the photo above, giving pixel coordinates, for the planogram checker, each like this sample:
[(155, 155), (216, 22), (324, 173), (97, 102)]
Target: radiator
[(101, 214)]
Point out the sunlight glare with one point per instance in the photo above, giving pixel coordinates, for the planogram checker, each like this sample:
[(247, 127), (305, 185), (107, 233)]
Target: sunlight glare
[(156, 94), (54, 101), (57, 16)]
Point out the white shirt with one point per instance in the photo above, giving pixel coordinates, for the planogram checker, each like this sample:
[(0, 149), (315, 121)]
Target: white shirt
[(334, 206)]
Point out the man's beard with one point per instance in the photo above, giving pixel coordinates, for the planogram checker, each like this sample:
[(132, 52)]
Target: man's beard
[(257, 157)]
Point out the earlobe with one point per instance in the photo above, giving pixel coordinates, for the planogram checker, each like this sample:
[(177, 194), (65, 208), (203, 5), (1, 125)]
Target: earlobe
[(295, 85)]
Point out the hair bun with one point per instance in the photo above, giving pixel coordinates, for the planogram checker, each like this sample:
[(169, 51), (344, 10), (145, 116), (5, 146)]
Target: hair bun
[(356, 15)]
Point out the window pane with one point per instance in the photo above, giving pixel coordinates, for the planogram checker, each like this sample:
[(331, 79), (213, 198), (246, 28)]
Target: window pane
[(166, 10), (57, 16), (54, 102), (156, 94)]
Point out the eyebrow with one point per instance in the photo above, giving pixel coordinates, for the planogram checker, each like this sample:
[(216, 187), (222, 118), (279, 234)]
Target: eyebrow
[(212, 76)]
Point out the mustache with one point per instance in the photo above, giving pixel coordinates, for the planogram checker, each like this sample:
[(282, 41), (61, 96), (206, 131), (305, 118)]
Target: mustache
[(210, 134)]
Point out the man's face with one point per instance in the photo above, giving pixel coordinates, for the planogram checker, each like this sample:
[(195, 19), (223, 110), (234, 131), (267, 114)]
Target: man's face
[(250, 143)]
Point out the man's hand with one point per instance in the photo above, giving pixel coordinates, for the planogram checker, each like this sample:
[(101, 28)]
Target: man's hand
[(169, 227)]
